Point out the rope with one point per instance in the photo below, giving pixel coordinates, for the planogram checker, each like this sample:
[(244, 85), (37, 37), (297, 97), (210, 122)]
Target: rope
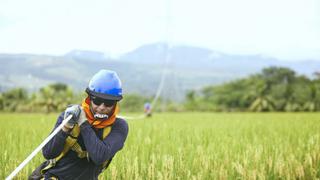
[(26, 161)]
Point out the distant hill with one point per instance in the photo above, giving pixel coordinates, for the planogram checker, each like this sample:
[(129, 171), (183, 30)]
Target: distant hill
[(140, 70)]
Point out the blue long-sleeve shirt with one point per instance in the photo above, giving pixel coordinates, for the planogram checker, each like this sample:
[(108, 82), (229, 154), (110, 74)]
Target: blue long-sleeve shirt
[(73, 167)]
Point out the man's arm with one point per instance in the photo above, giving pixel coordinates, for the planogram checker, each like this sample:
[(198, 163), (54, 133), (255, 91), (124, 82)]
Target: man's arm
[(100, 151), (55, 146)]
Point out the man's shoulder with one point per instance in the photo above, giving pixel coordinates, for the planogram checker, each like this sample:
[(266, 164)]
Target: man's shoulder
[(121, 123)]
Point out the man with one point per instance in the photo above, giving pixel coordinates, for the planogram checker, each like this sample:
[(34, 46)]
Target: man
[(147, 109), (89, 141)]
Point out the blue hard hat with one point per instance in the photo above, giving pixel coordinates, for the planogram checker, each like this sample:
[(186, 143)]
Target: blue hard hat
[(106, 85)]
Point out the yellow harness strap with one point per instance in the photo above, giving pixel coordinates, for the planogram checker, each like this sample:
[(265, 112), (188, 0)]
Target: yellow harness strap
[(71, 143), (106, 132), (77, 148)]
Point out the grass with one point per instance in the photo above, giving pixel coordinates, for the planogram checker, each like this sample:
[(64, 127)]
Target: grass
[(188, 146)]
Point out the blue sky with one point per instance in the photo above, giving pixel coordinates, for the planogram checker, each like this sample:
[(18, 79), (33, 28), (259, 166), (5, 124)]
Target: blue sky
[(286, 29)]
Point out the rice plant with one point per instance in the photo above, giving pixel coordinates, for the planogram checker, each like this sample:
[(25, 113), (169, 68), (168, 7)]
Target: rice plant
[(188, 146)]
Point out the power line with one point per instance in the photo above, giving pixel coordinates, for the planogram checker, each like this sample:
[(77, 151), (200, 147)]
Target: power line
[(167, 59)]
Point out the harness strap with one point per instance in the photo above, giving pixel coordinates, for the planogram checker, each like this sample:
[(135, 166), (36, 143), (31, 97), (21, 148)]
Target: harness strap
[(81, 153), (106, 164), (106, 132), (71, 144), (70, 141)]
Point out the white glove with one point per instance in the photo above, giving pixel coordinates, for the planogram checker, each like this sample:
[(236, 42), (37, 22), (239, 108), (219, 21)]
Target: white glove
[(75, 111), (82, 117)]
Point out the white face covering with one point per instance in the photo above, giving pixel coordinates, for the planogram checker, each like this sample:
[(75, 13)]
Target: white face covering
[(100, 116)]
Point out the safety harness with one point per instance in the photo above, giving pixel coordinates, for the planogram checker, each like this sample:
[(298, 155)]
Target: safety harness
[(71, 144)]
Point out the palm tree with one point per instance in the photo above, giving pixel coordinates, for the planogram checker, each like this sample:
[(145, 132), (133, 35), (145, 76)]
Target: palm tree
[(54, 97), (14, 98), (261, 102), (313, 103)]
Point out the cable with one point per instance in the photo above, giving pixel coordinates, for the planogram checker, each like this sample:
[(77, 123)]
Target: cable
[(163, 77), (168, 47)]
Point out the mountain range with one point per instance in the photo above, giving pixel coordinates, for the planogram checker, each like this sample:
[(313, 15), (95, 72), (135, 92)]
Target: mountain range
[(182, 67)]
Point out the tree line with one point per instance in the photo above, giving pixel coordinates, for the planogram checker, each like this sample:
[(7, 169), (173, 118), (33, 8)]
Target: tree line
[(273, 89), (55, 98)]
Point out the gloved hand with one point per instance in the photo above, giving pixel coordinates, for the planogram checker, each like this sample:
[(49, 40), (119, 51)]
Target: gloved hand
[(82, 117), (75, 111)]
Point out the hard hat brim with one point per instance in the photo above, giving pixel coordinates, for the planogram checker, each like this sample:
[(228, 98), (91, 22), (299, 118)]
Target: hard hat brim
[(103, 96)]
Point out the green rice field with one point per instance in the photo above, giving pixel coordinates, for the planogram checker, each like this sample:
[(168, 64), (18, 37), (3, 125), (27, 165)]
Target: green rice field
[(191, 145)]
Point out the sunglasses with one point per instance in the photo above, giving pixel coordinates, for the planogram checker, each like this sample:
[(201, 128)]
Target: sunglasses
[(98, 101)]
